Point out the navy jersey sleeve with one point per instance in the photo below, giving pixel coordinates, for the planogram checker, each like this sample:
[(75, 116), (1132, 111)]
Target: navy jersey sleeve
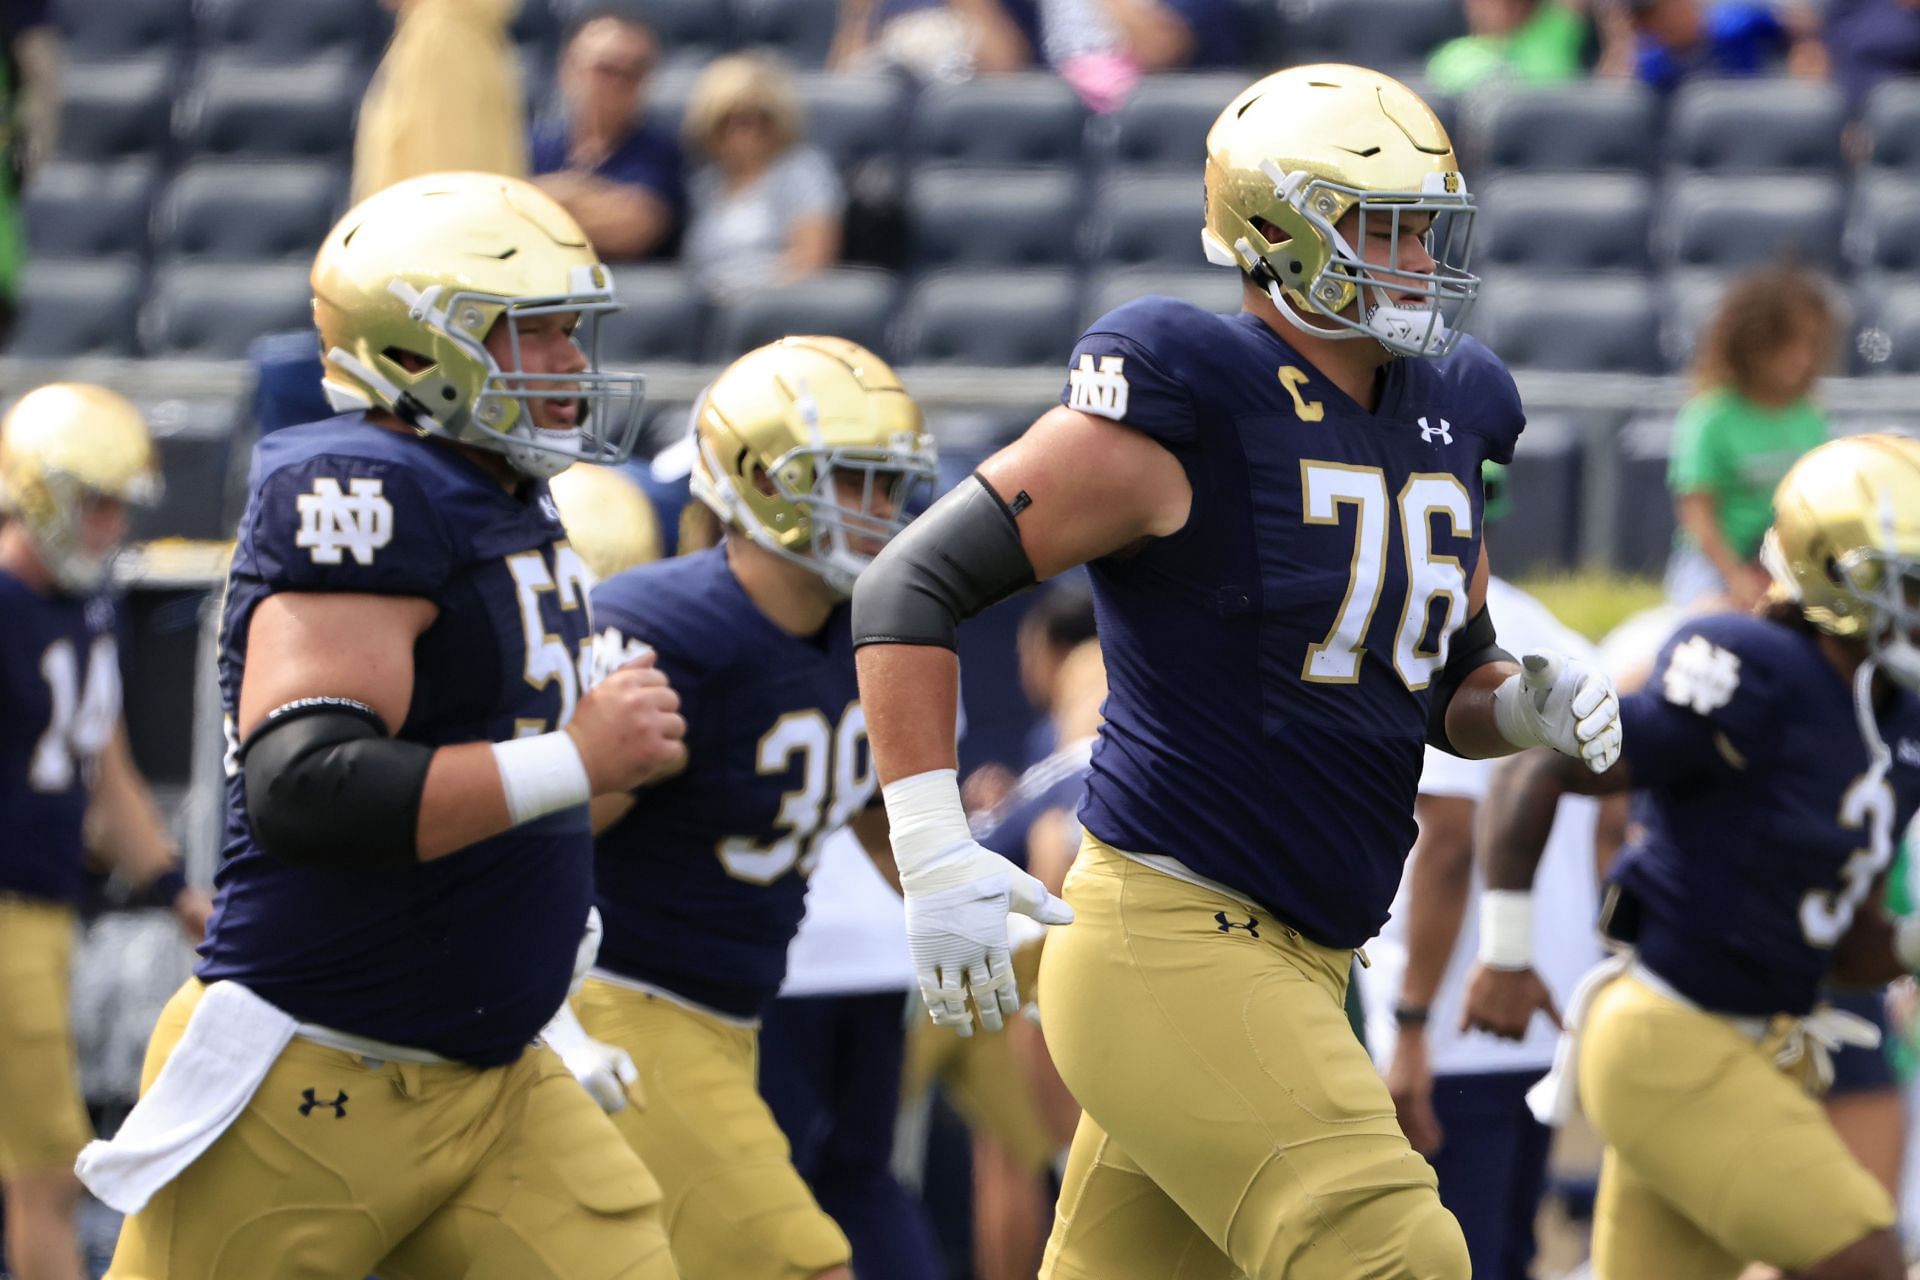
[(1126, 368), (1705, 709), (1489, 392), (342, 523), (621, 634)]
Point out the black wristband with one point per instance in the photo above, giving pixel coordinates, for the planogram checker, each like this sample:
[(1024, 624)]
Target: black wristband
[(1410, 1016), (165, 887)]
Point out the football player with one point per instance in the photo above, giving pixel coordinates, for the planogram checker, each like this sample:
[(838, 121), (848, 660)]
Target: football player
[(73, 460), (346, 1084), (1281, 512), (1777, 758), (807, 451)]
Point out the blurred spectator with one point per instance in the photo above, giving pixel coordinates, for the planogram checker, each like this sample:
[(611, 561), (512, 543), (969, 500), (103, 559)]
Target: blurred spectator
[(1526, 41), (1103, 47), (418, 119), (936, 40), (1756, 365), (765, 206), (30, 101), (1870, 41), (1057, 623), (1677, 39), (618, 175)]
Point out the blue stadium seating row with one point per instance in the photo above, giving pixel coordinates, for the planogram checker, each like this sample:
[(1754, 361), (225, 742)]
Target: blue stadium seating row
[(1603, 322)]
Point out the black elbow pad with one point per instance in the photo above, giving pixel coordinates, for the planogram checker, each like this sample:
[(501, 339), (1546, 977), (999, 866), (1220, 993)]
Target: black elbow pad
[(1473, 647), (961, 556), (326, 786)]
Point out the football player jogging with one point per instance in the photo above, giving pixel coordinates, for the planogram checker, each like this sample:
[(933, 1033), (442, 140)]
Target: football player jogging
[(1281, 512), (73, 460), (807, 451), (1776, 759), (346, 1085)]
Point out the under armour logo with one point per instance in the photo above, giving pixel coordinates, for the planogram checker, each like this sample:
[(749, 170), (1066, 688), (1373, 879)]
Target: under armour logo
[(1701, 675), (1098, 389), (330, 520), (1252, 926), (1444, 431), (339, 1104)]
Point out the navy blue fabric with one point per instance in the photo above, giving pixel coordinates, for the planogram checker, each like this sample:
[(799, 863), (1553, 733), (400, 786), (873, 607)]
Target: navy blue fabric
[(1492, 1167)]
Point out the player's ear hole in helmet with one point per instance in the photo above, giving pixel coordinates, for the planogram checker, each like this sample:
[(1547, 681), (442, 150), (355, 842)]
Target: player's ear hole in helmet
[(812, 449), (1336, 190), (469, 307)]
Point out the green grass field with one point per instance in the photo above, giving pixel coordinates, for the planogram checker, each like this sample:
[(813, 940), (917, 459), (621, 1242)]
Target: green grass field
[(1593, 602)]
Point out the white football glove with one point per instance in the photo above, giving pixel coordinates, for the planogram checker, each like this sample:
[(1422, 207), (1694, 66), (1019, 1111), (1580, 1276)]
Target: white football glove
[(1561, 702), (958, 896), (605, 1071)]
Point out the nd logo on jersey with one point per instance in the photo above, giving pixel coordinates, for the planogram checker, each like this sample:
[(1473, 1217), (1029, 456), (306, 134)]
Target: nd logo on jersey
[(1098, 389), (359, 522)]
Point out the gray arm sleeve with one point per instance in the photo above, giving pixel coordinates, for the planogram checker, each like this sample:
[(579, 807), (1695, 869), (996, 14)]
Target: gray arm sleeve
[(961, 556)]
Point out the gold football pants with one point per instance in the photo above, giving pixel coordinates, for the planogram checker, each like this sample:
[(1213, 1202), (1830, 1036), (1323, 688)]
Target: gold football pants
[(43, 1122), (735, 1207), (1233, 1124), (341, 1166), (1716, 1157)]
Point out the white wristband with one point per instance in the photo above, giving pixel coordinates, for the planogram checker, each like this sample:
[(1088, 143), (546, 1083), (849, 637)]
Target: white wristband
[(1506, 929), (541, 775), (1906, 942), (924, 817)]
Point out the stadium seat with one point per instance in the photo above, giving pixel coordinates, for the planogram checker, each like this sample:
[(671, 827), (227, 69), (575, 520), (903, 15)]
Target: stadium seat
[(1580, 126), (94, 29), (1688, 300), (1892, 120), (232, 210), (1563, 222), (801, 30), (1883, 229), (1141, 220), (1213, 288), (262, 110), (1643, 509), (1387, 34), (1887, 339), (989, 318), (853, 303), (664, 317), (90, 210), (1756, 126), (694, 29), (854, 116), (993, 217), (78, 307), (195, 442), (212, 310), (1737, 222), (110, 110), (1028, 119), (1540, 533), (291, 30), (1163, 124), (1601, 324)]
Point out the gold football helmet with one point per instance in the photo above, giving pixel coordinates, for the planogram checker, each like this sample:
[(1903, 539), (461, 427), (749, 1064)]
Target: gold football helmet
[(411, 281), (61, 446), (609, 520), (812, 448), (1845, 545), (1297, 152)]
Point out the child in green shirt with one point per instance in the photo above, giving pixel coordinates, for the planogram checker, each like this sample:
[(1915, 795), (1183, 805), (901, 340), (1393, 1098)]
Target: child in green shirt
[(1527, 41), (1752, 419)]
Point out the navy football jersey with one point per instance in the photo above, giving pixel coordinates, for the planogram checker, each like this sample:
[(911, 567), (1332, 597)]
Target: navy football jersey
[(59, 705), (1058, 781), (470, 954), (703, 884), (1761, 830), (1269, 664)]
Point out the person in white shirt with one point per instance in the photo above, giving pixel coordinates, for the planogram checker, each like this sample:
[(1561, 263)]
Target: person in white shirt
[(1462, 1098)]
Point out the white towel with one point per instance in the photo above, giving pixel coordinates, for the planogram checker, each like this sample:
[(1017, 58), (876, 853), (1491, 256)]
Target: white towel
[(1556, 1098), (231, 1041)]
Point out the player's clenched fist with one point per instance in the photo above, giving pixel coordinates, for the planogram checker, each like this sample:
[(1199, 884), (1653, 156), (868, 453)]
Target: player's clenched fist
[(628, 730)]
